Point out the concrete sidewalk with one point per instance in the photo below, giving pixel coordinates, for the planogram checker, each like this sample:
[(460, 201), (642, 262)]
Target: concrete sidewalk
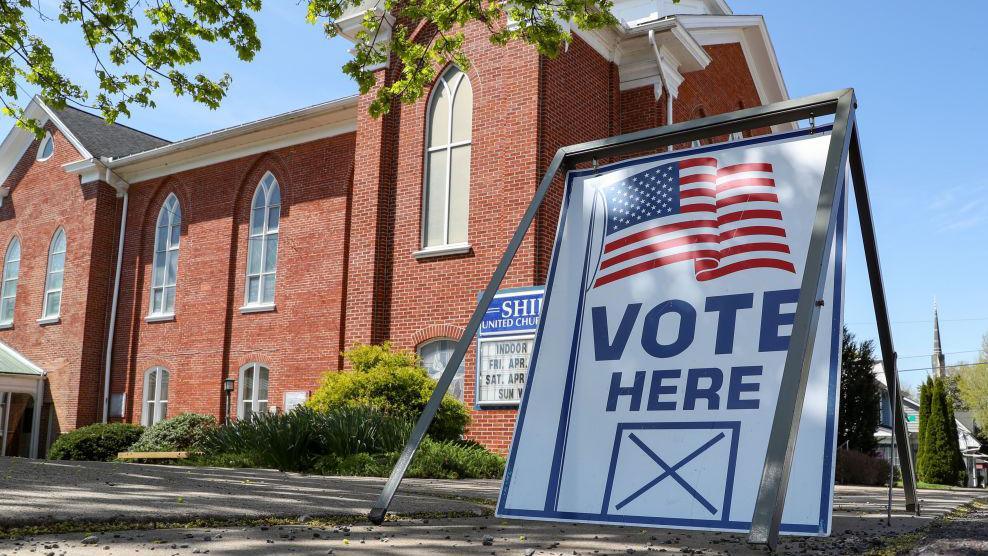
[(46, 493)]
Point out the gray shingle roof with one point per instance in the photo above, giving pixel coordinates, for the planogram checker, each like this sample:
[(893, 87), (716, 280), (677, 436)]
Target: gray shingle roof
[(100, 139)]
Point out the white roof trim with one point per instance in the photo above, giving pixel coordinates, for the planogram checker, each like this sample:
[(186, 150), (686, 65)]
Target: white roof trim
[(750, 31), (298, 126)]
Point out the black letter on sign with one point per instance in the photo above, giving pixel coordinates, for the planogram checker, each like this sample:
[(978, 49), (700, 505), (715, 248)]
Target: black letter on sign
[(603, 348), (687, 327), (634, 391)]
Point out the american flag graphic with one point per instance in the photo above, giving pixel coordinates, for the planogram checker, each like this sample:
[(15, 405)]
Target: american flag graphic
[(723, 219)]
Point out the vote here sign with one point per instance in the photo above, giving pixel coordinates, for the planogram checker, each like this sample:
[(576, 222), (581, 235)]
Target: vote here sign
[(665, 327)]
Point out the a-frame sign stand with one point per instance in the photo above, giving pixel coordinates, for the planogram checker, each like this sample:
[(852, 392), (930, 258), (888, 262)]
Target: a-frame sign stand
[(844, 152)]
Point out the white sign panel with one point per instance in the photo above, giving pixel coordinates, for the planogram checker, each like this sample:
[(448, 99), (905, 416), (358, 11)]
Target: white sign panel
[(504, 346), (665, 327)]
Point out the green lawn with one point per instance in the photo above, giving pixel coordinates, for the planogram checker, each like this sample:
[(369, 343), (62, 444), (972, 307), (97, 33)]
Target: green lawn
[(928, 486)]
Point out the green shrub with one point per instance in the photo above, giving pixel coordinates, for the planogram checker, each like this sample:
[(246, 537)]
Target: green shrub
[(359, 465), (232, 461), (184, 433), (393, 381), (99, 442), (451, 460), (856, 468), (433, 460), (286, 441), (293, 441)]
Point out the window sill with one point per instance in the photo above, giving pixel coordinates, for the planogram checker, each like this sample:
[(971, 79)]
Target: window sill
[(50, 320), (6, 326), (442, 250), (257, 308), (160, 318)]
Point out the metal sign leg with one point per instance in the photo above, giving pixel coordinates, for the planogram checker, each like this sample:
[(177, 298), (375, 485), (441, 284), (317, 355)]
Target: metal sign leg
[(767, 517), (899, 429), (462, 345)]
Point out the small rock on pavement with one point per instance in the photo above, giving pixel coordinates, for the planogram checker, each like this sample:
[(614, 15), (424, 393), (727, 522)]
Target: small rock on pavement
[(91, 539), (530, 552), (488, 540), (303, 518)]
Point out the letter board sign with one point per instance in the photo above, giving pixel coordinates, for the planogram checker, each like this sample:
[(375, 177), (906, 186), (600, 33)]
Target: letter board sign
[(656, 367), (504, 346)]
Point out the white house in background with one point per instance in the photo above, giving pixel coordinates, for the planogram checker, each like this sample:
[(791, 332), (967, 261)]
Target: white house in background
[(976, 462)]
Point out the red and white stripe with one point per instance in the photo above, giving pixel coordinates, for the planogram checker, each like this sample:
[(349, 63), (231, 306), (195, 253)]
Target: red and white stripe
[(729, 220)]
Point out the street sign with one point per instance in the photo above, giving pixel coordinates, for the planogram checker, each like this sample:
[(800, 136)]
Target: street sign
[(504, 346), (655, 374)]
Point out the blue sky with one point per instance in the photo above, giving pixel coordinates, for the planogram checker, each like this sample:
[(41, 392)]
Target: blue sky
[(915, 71)]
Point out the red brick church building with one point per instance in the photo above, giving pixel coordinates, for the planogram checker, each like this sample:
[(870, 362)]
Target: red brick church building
[(139, 274)]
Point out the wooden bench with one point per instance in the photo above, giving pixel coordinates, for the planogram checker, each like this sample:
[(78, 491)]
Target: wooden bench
[(152, 455)]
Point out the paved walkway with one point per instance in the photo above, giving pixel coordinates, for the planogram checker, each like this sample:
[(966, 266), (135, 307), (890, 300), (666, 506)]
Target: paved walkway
[(36, 492)]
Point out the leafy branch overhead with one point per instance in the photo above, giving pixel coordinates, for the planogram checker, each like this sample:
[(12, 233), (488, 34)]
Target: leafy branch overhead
[(139, 46)]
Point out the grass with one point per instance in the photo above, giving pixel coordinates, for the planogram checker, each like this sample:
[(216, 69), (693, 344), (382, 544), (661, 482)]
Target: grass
[(900, 544), (928, 486)]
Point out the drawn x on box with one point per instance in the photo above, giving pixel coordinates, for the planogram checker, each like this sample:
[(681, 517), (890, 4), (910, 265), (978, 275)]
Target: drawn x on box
[(687, 474)]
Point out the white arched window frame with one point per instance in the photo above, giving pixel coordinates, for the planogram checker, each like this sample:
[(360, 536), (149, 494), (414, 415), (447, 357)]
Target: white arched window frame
[(54, 279), (164, 269), (8, 292), (435, 354), (155, 407), (46, 148), (446, 192), (253, 395), (262, 244)]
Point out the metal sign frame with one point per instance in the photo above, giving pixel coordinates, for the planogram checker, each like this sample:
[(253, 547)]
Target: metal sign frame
[(844, 152)]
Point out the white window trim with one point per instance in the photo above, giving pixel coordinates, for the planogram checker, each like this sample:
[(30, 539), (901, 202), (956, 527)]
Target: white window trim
[(41, 147), (448, 147), (54, 318), (4, 278), (255, 383), (146, 419), (442, 250), (258, 306), (160, 317), (162, 314), (463, 363)]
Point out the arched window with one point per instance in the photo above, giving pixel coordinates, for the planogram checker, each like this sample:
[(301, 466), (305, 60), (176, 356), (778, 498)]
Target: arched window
[(253, 390), (54, 278), (435, 354), (155, 396), (447, 161), (165, 265), (46, 148), (262, 245), (8, 293)]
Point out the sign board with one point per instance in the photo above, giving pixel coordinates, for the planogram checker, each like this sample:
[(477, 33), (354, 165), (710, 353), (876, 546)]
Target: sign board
[(656, 367), (504, 346), (294, 399)]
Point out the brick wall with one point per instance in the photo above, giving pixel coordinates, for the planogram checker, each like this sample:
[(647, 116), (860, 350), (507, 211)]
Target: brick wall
[(210, 338), (43, 198)]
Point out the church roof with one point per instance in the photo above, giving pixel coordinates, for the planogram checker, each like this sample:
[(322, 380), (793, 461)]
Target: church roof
[(105, 140)]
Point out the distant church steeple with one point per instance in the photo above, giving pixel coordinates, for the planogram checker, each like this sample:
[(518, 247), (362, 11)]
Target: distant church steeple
[(939, 368)]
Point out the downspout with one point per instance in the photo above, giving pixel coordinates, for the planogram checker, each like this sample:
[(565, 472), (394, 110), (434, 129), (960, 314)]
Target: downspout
[(116, 292), (663, 86)]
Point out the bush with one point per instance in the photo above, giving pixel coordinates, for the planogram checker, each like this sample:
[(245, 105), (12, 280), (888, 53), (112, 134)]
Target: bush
[(293, 441), (391, 380), (433, 460), (184, 433), (856, 468), (99, 442)]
